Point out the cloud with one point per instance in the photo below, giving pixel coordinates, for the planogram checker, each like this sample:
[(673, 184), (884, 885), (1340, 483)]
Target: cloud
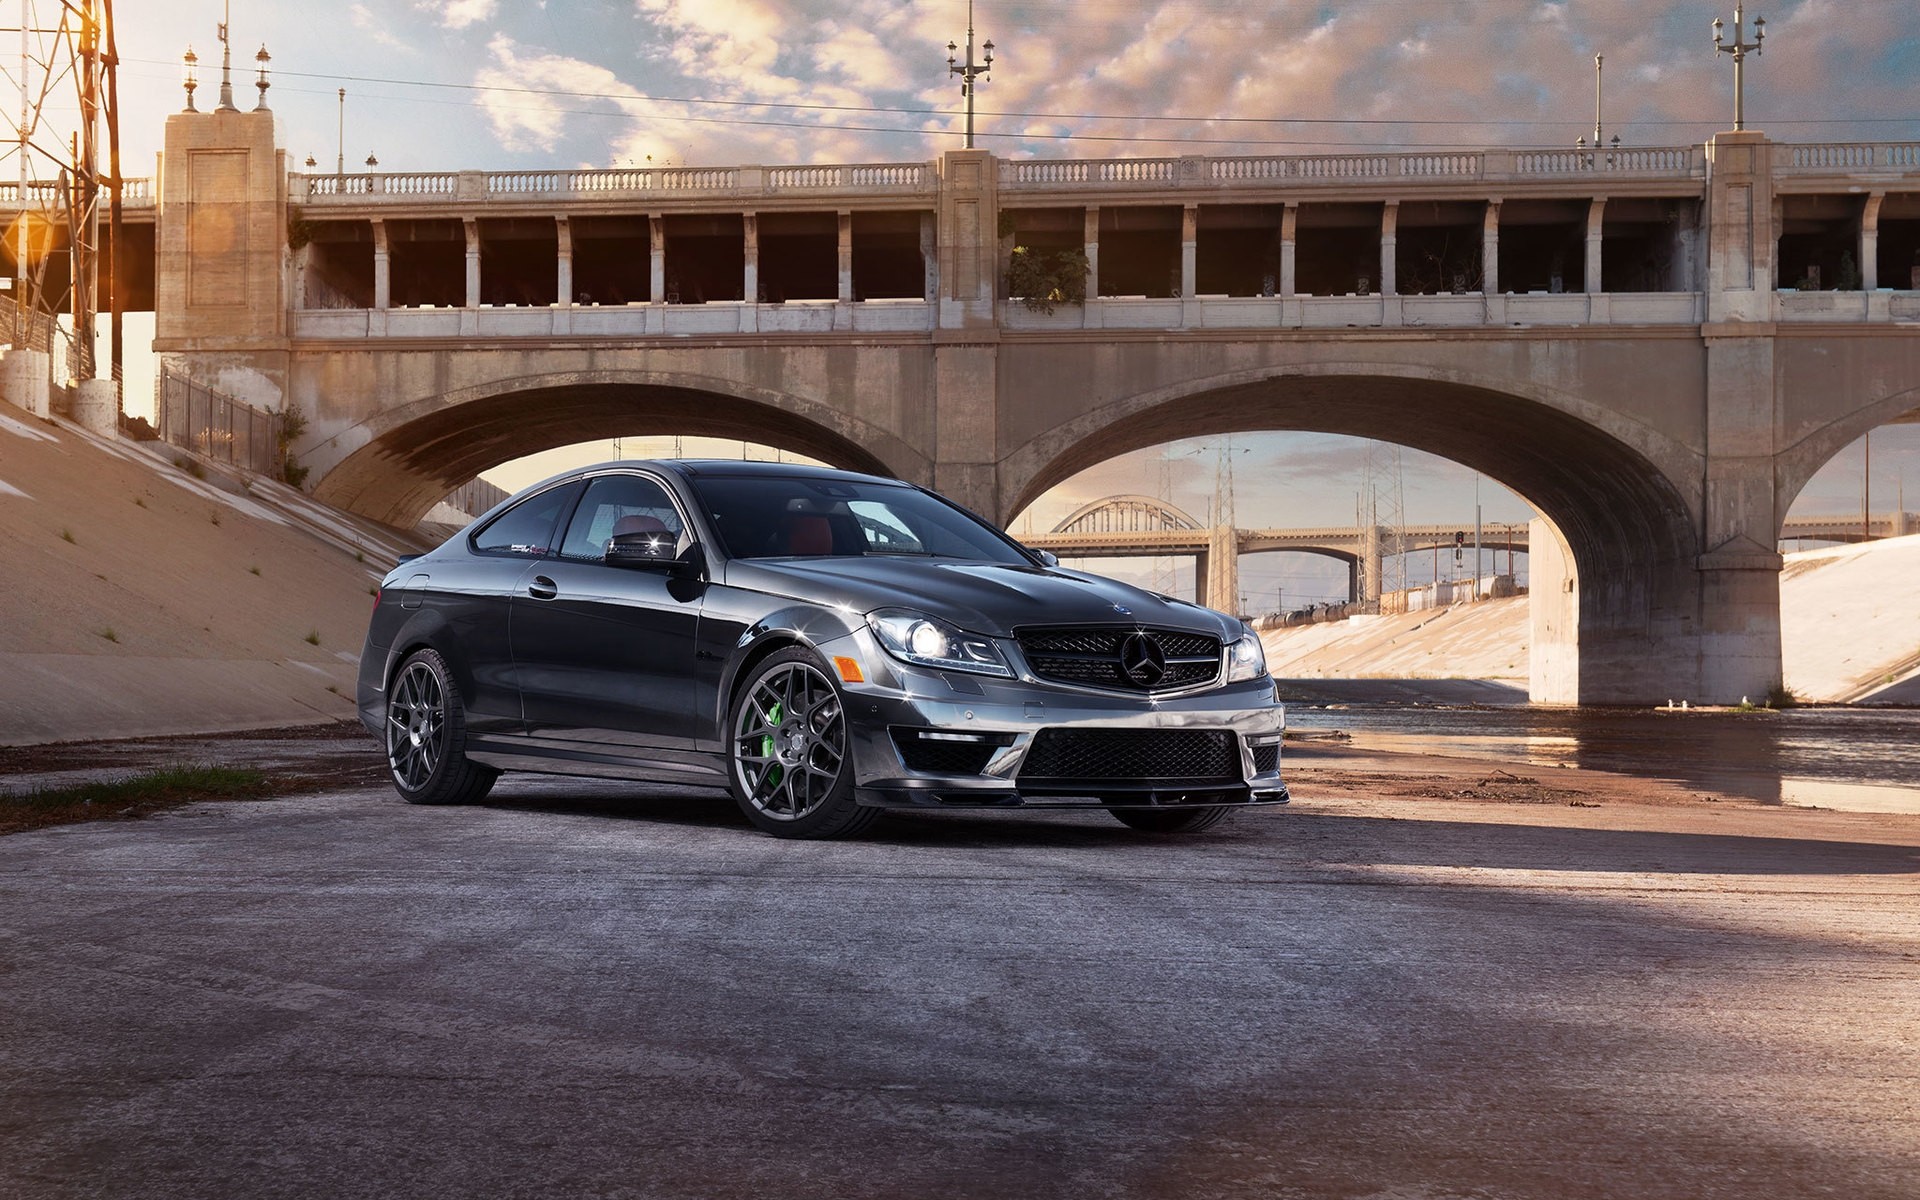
[(363, 19), (460, 14)]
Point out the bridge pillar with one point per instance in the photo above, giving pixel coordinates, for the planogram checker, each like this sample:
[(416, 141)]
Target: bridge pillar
[(221, 272), (966, 379), (1553, 618), (1223, 569), (969, 239)]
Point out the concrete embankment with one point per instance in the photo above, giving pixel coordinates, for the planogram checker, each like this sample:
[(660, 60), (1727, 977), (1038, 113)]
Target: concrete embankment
[(139, 599), (1850, 633)]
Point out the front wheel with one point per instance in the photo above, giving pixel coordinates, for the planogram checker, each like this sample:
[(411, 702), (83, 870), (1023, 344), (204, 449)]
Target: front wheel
[(427, 736), (1170, 820), (787, 750)]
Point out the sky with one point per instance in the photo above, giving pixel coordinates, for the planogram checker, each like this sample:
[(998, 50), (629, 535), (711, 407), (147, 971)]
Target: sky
[(544, 84)]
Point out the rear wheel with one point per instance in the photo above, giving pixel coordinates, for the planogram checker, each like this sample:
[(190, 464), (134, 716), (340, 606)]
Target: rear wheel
[(427, 736), (787, 750), (1170, 820)]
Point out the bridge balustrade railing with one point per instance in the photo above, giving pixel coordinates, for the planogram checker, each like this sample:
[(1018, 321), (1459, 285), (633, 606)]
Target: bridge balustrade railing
[(1681, 162), (611, 181), (194, 416), (1824, 157)]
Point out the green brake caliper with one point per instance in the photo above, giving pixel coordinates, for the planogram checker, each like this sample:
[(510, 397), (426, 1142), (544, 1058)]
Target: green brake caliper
[(775, 771)]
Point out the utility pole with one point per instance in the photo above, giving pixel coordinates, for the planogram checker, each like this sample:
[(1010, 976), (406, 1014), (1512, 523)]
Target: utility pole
[(969, 70), (1738, 47)]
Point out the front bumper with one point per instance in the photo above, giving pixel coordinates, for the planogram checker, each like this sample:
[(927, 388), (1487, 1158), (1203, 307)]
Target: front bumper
[(999, 722)]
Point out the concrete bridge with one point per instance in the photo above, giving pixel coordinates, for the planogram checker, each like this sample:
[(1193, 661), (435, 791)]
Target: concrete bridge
[(1656, 347), (1148, 527)]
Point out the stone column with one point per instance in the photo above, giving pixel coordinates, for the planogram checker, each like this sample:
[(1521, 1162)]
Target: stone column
[(1389, 222), (845, 293), (1189, 251), (929, 260), (1289, 248), (473, 261), (1090, 243), (563, 280), (1870, 242), (750, 256), (1490, 249), (966, 404), (1373, 566), (1596, 218), (382, 267), (657, 260)]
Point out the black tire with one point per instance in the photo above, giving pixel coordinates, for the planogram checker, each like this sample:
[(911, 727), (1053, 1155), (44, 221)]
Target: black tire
[(788, 750), (427, 736), (1171, 820)]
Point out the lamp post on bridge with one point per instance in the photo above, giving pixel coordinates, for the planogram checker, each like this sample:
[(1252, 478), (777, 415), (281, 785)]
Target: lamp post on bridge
[(969, 70), (1738, 47)]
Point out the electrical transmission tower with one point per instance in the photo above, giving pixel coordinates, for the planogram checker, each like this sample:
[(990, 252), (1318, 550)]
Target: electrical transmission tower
[(55, 187), (1384, 513)]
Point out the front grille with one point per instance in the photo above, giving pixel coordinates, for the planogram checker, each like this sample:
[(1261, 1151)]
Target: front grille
[(1188, 755), (1266, 759), (1092, 657), (939, 756)]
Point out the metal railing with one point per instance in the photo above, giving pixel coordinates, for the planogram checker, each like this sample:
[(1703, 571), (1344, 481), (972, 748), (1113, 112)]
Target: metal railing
[(193, 416)]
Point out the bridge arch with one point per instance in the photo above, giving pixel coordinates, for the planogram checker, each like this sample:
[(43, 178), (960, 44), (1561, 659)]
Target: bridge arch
[(1129, 514), (396, 463), (1616, 490), (1805, 459)]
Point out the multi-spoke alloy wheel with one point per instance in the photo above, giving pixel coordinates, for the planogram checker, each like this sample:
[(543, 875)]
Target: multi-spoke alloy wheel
[(788, 741), (426, 736), (416, 726)]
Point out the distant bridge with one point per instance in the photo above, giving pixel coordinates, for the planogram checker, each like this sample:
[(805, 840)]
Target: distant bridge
[(1134, 526)]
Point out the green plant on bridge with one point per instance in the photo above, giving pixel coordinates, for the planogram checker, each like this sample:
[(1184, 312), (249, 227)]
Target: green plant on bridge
[(1041, 279), (293, 423)]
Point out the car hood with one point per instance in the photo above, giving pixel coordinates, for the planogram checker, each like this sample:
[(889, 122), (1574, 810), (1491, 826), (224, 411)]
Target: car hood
[(990, 598)]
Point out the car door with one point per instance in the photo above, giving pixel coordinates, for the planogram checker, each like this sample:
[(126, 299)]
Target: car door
[(468, 597), (605, 654)]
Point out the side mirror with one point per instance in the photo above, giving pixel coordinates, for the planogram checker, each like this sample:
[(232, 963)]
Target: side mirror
[(653, 548), (1048, 558)]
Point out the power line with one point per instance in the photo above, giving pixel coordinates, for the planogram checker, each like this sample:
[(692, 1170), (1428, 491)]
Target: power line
[(1009, 114)]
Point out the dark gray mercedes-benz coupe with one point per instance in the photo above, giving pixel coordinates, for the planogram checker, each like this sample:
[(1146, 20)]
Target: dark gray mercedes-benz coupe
[(825, 644)]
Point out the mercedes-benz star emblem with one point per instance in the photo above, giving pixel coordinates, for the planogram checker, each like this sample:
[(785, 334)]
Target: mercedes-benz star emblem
[(1123, 610), (1142, 660)]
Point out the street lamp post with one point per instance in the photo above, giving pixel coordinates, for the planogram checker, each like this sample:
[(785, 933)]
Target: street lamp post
[(1738, 47), (969, 70)]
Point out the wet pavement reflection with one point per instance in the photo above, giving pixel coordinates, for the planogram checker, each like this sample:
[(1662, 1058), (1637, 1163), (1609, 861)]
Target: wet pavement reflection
[(1865, 760)]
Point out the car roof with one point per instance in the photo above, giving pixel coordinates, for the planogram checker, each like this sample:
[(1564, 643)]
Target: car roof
[(733, 467)]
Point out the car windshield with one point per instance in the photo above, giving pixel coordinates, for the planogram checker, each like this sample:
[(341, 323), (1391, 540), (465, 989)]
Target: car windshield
[(762, 516)]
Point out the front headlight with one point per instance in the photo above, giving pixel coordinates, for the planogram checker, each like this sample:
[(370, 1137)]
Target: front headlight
[(928, 641), (1246, 659)]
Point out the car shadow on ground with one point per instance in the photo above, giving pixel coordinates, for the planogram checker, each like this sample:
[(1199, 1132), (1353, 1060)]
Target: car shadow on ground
[(1295, 836)]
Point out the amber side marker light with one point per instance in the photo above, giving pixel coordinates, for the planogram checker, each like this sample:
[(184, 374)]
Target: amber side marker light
[(849, 669)]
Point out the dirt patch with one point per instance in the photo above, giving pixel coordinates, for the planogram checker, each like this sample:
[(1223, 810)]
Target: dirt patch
[(274, 762)]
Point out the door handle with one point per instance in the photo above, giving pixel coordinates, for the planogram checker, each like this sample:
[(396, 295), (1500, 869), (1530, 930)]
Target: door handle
[(543, 588)]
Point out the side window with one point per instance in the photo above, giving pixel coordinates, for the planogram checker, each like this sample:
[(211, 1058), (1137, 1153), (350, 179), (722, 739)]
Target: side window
[(527, 528), (617, 504)]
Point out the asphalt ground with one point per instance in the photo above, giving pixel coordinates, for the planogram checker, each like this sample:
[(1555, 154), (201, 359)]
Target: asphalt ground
[(586, 989)]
